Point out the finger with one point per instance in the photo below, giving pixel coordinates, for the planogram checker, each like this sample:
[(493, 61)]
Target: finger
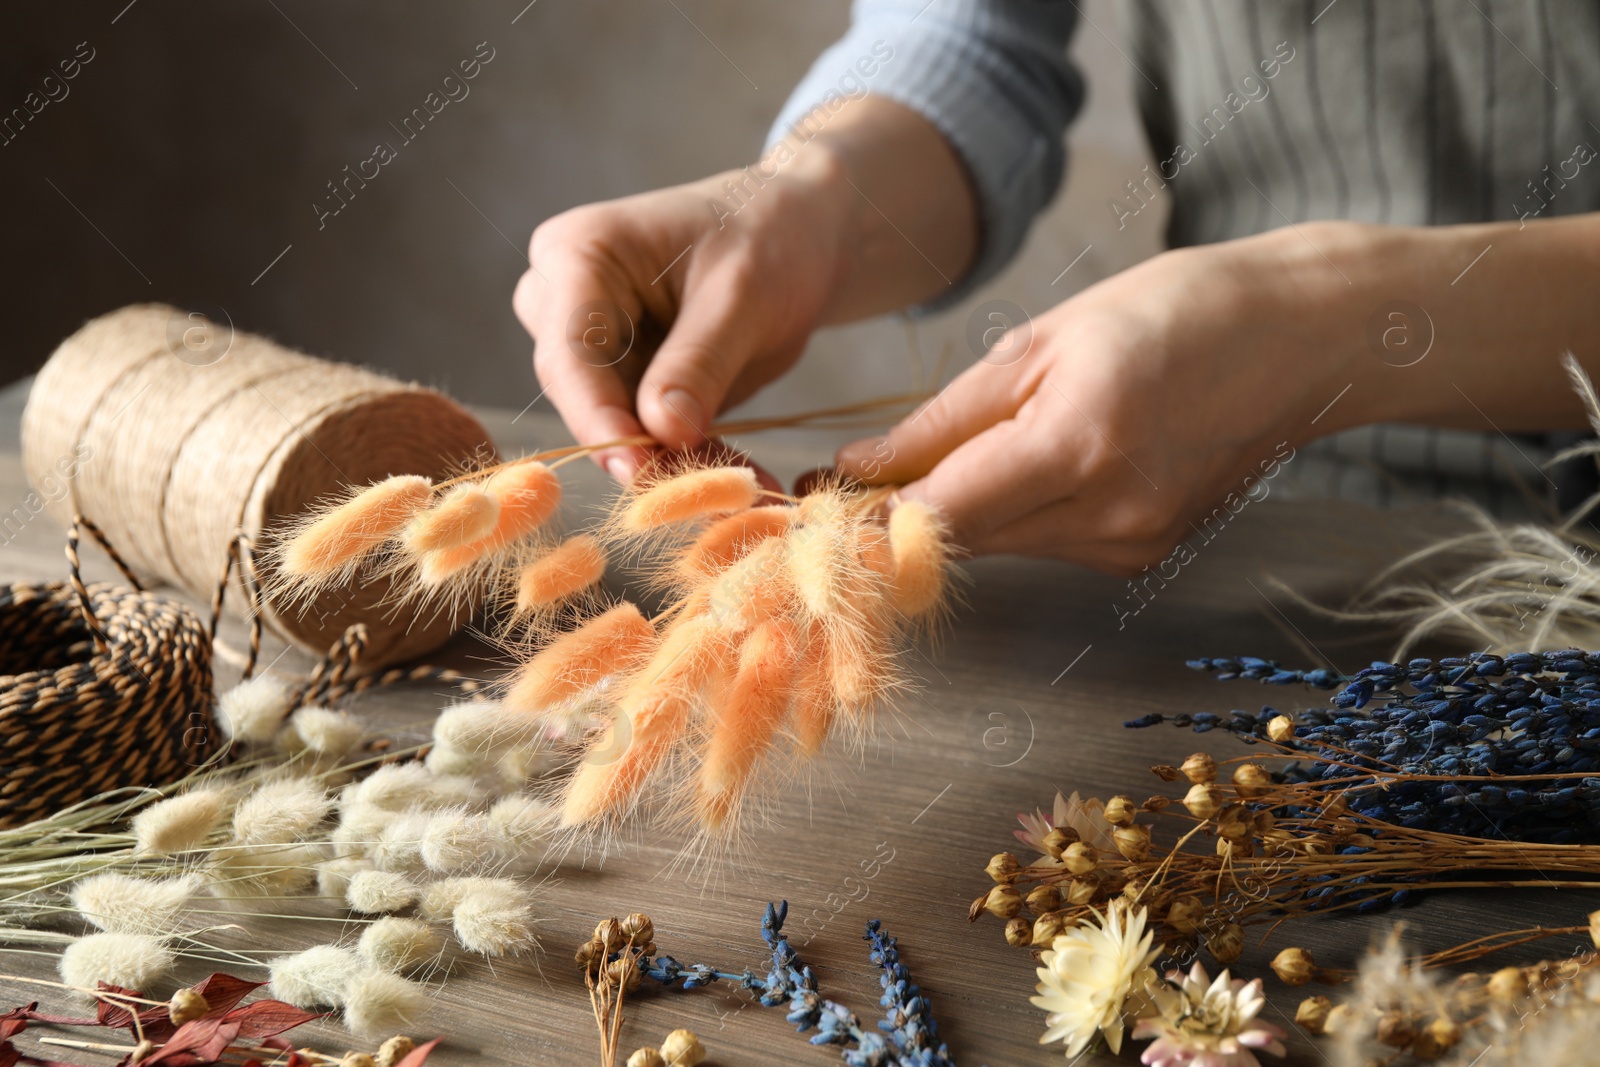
[(977, 399), (581, 333), (709, 344), (1003, 473)]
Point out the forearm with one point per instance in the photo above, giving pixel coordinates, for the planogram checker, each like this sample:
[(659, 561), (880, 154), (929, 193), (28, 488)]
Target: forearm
[(1426, 326), (908, 210)]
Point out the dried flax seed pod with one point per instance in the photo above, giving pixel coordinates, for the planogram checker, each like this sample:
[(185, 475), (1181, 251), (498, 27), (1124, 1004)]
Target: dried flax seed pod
[(610, 643), (749, 711), (653, 714)]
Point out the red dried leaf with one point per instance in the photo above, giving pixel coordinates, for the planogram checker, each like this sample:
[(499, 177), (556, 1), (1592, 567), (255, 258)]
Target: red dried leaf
[(9, 1056), (223, 992), (419, 1055), (268, 1018), (12, 1024), (197, 1042)]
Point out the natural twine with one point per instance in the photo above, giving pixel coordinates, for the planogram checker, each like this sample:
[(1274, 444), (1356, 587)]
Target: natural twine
[(178, 433)]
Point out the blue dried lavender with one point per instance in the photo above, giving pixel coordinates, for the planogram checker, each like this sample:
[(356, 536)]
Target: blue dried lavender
[(909, 1035), (1460, 721)]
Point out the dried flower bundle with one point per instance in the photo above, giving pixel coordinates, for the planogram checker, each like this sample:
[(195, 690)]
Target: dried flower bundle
[(622, 954)]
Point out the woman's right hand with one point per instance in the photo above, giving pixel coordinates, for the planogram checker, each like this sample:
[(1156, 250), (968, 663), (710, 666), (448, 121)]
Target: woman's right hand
[(737, 269)]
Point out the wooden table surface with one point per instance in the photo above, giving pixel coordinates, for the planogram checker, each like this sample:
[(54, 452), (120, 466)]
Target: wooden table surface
[(1026, 694)]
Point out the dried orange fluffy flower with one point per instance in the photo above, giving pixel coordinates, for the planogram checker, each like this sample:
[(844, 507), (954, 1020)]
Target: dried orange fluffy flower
[(466, 514), (526, 495), (747, 716), (921, 559), (337, 540), (573, 566), (607, 644), (753, 590), (652, 715), (726, 540), (684, 497)]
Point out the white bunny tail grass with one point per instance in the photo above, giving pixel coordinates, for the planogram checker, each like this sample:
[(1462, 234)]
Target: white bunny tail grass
[(119, 903), (397, 944), (333, 876), (132, 961), (314, 978), (494, 920), (379, 892), (326, 732), (253, 711), (281, 812), (1499, 588), (459, 842), (441, 898), (180, 823), (378, 1003)]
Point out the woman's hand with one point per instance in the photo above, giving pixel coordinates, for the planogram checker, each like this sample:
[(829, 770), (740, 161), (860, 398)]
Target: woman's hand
[(736, 271), (1103, 430)]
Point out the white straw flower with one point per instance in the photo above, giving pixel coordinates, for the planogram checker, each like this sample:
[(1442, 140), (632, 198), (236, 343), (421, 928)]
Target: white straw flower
[(178, 823), (325, 731), (315, 978), (454, 842), (377, 1003), (131, 961), (333, 876), (493, 920), (281, 812), (376, 892), (253, 710), (397, 944), (1088, 974), (125, 905)]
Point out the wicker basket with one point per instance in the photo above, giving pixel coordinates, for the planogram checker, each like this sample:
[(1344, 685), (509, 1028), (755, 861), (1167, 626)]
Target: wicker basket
[(101, 687)]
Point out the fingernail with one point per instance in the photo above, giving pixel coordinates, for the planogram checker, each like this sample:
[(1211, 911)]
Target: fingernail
[(683, 404), (620, 469)]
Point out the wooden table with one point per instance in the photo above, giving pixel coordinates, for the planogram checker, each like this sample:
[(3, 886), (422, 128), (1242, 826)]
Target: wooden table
[(1026, 694)]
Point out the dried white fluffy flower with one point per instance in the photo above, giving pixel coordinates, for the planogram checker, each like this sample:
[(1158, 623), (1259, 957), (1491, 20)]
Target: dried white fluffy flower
[(281, 812), (250, 871), (132, 961), (125, 905), (484, 727), (410, 785), (178, 823), (521, 818), (253, 710), (325, 731), (378, 1003), (315, 978), (454, 842), (494, 920), (397, 944), (400, 846), (360, 829), (449, 761), (376, 892), (333, 876)]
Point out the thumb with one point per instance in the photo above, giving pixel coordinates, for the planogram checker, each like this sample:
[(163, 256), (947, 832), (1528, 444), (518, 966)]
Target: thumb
[(978, 398), (710, 343)]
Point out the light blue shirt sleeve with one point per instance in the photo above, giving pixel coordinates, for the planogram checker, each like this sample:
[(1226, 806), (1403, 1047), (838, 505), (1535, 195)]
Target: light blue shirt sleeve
[(991, 75)]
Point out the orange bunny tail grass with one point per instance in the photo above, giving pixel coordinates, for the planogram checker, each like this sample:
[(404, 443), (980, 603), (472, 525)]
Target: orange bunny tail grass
[(726, 541), (653, 714), (573, 566), (753, 590), (526, 495), (688, 497), (613, 642), (920, 543), (749, 711), (465, 515), (328, 548), (813, 694)]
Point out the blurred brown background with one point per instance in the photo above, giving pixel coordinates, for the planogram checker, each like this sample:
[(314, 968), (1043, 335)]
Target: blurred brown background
[(185, 157)]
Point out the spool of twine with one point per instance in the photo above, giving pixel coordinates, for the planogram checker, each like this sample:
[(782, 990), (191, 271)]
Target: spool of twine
[(173, 432)]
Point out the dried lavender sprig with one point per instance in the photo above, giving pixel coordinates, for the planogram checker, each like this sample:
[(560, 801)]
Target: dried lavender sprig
[(910, 1031), (1464, 718)]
